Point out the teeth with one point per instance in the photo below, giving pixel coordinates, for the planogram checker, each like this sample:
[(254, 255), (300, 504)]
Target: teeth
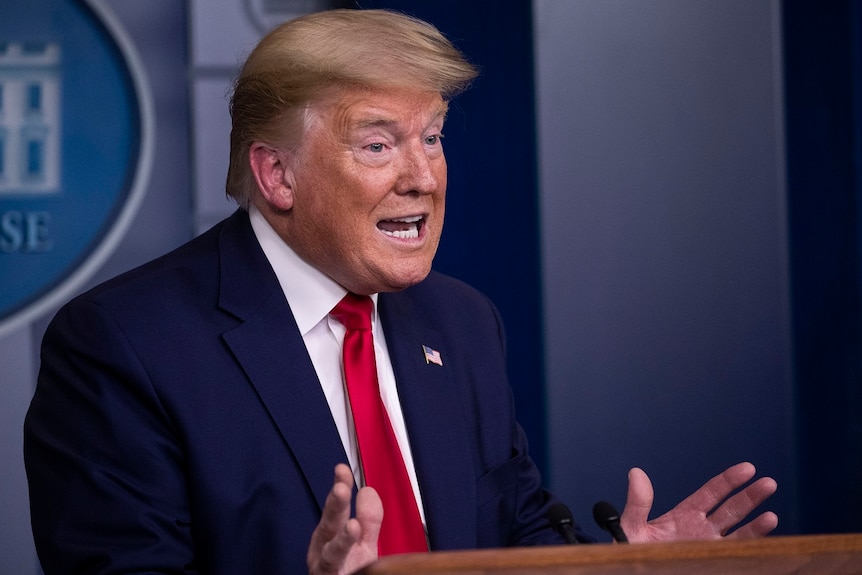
[(411, 223), (404, 234)]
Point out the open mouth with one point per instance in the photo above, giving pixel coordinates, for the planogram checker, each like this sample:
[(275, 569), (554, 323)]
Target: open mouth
[(402, 228)]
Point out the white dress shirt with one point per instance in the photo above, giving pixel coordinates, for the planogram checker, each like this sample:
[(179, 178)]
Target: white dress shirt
[(312, 295)]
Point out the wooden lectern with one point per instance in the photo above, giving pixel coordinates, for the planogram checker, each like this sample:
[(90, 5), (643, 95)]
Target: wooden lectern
[(777, 555)]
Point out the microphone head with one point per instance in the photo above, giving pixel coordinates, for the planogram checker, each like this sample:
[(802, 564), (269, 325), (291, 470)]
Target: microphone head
[(605, 514), (559, 514), (560, 518)]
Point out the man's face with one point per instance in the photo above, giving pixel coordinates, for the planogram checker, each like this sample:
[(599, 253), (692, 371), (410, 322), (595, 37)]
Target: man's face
[(368, 188)]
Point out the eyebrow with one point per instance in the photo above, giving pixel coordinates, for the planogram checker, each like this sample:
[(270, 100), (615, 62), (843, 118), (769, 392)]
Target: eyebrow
[(385, 122)]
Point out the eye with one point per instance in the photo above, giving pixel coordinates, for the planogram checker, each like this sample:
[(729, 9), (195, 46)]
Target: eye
[(376, 147), (433, 140)]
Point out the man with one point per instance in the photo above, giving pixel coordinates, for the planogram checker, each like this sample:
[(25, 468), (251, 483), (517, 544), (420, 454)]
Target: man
[(189, 414)]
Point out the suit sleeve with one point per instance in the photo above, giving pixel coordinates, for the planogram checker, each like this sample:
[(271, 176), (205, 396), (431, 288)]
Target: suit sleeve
[(104, 465)]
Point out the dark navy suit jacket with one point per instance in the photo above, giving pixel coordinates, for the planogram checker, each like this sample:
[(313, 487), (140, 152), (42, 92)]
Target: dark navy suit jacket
[(178, 424)]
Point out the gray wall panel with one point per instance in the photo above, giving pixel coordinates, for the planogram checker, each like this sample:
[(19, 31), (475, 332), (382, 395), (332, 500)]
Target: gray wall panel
[(664, 245)]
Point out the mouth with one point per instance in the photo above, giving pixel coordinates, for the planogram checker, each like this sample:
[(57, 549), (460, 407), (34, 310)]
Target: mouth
[(406, 228)]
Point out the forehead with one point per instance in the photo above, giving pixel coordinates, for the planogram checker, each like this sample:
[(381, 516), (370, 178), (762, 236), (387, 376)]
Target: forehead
[(350, 110)]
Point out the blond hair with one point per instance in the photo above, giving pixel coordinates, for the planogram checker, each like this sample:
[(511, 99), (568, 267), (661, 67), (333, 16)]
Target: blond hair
[(297, 61)]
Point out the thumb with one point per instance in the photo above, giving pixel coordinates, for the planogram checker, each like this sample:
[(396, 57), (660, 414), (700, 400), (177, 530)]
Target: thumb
[(638, 502), (369, 513)]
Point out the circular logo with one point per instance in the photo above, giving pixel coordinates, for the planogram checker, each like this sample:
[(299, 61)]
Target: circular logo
[(76, 128)]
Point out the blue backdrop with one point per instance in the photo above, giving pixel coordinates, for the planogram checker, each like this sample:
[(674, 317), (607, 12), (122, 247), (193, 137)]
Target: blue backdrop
[(823, 91)]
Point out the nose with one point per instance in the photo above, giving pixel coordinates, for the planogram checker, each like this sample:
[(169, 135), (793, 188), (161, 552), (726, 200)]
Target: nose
[(421, 173)]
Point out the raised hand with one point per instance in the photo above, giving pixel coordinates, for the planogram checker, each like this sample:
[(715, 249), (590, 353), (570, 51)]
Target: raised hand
[(708, 513), (341, 544)]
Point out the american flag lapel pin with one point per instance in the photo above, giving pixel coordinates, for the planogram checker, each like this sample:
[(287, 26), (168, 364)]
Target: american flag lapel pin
[(432, 356)]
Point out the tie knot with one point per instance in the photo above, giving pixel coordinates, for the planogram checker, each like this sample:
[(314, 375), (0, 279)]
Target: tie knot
[(354, 311)]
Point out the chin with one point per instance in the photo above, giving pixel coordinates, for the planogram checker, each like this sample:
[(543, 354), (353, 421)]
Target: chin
[(406, 280)]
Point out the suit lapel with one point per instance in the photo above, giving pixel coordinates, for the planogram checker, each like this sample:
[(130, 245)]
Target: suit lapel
[(270, 349), (435, 424)]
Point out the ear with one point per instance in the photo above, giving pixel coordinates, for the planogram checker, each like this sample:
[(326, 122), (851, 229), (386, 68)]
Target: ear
[(273, 175)]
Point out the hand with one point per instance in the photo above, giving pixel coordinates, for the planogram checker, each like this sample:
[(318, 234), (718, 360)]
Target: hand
[(339, 544), (708, 513)]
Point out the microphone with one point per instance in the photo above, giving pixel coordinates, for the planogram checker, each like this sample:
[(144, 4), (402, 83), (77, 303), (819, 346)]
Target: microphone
[(608, 518), (563, 523)]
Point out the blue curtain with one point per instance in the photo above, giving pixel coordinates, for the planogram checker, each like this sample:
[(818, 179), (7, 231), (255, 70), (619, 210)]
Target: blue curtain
[(823, 94)]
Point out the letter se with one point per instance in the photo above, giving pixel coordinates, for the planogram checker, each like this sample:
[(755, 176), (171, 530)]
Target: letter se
[(25, 232)]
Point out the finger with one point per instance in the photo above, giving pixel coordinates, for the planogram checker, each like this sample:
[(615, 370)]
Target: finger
[(336, 513), (336, 509), (335, 551), (716, 490), (639, 502), (369, 514), (737, 507), (760, 526)]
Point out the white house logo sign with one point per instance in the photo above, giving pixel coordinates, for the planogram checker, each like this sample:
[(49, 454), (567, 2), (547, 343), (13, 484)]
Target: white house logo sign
[(75, 149)]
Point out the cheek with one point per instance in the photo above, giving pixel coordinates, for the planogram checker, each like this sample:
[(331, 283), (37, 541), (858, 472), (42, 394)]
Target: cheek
[(441, 176), (440, 196), (327, 195)]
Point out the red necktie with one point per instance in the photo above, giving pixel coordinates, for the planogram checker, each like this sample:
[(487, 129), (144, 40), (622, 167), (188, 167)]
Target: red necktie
[(382, 464)]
